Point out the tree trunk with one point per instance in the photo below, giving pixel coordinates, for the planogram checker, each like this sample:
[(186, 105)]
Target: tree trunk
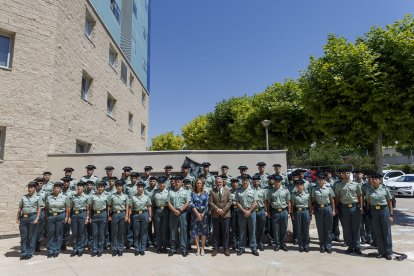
[(377, 152)]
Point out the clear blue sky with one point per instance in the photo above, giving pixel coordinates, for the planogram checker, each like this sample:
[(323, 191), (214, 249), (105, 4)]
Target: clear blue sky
[(206, 51)]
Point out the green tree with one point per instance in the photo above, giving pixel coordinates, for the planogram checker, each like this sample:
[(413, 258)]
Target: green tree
[(362, 93), (167, 141), (195, 134)]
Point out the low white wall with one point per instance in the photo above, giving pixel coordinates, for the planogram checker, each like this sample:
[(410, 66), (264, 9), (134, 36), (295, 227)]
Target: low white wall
[(158, 159)]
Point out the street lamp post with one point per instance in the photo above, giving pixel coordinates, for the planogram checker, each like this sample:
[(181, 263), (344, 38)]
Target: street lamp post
[(266, 124)]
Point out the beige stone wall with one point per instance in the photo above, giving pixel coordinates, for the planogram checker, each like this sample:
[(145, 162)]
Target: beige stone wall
[(40, 102)]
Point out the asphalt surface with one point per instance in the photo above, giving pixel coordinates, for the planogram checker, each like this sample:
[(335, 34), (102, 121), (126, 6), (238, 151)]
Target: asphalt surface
[(268, 263)]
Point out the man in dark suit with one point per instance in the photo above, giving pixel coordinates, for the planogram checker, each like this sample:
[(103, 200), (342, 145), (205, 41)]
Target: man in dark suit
[(220, 202)]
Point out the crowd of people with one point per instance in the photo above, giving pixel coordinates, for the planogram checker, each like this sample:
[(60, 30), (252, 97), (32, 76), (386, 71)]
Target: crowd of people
[(175, 211)]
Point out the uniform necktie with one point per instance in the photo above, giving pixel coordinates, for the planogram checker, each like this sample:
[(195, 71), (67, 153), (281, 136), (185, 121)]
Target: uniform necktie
[(220, 194)]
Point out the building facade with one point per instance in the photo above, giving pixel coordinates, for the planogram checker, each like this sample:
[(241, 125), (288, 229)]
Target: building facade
[(70, 82)]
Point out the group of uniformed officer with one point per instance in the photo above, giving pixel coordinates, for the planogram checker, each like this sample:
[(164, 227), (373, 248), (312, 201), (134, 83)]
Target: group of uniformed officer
[(122, 213)]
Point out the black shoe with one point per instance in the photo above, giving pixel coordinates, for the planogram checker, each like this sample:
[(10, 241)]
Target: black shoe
[(142, 253), (73, 254), (159, 251), (306, 249), (240, 252), (23, 257), (120, 253), (255, 253), (374, 244), (321, 249), (276, 248), (343, 244), (63, 247), (185, 253), (37, 248), (55, 255), (80, 254), (171, 253), (114, 253), (349, 250), (300, 249), (136, 253), (28, 257), (388, 257), (295, 242), (128, 246), (163, 250), (49, 255), (379, 256), (329, 251), (261, 247), (233, 247), (358, 251), (284, 248), (93, 254), (99, 254)]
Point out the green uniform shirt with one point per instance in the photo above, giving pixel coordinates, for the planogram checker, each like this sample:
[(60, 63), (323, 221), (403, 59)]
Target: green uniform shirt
[(233, 196), (127, 181), (301, 200), (307, 187), (290, 186), (89, 193), (379, 196), (57, 204), (140, 203), (168, 182), (48, 187), (111, 191), (98, 201), (93, 178), (146, 180), (131, 190), (68, 192), (192, 179), (261, 196), (29, 204), (322, 195), (117, 201), (149, 191), (347, 192), (179, 198), (42, 195), (160, 198), (246, 197), (79, 202), (209, 181), (72, 185), (278, 199)]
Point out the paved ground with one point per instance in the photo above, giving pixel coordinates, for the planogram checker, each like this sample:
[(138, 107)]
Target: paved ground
[(268, 263)]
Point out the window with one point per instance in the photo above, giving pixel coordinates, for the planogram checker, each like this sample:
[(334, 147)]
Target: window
[(131, 80), (112, 56), (134, 8), (89, 24), (86, 86), (2, 141), (5, 51), (115, 10), (124, 72), (142, 130), (130, 121), (82, 147), (110, 105), (143, 98)]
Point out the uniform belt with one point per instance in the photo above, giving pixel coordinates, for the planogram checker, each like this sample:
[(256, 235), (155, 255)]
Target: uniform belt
[(279, 209), (258, 209), (26, 215), (98, 211), (55, 213), (378, 207), (117, 211), (301, 208), (349, 205), (235, 205), (77, 212), (323, 205), (161, 207), (140, 211)]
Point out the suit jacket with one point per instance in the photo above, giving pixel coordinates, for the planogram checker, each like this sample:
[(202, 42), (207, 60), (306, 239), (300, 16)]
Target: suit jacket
[(224, 204)]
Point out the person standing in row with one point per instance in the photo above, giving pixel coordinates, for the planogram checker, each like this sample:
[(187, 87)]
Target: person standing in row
[(225, 175), (141, 214), (261, 212), (199, 207), (90, 176), (28, 219), (79, 219), (68, 173), (131, 190), (279, 206), (261, 166), (178, 202), (246, 198), (234, 212), (380, 206), (47, 183), (324, 210), (97, 207), (348, 196), (301, 206), (118, 213), (185, 171), (220, 202), (41, 227), (161, 215), (57, 208), (109, 170), (150, 187), (66, 191), (147, 175)]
